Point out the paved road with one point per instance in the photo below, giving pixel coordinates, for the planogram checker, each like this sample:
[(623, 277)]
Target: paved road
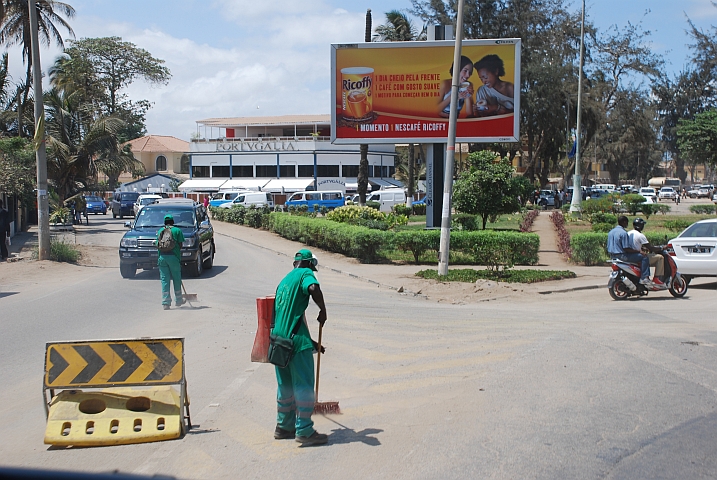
[(562, 386)]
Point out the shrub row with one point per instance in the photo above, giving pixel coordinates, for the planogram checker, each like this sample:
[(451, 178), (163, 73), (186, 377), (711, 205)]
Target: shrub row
[(563, 240), (528, 219), (591, 248), (703, 209), (494, 249)]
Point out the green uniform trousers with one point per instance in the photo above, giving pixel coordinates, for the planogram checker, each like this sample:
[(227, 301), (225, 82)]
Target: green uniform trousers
[(295, 396), (170, 269)]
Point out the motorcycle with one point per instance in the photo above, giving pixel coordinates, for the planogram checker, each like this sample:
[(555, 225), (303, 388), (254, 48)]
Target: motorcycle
[(625, 279)]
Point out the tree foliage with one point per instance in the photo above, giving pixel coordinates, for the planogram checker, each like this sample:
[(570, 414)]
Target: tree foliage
[(487, 188), (698, 137), (17, 168)]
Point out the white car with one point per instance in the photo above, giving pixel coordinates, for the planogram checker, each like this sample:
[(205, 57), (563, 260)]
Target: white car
[(695, 250), (145, 199), (667, 193), (649, 194), (714, 198)]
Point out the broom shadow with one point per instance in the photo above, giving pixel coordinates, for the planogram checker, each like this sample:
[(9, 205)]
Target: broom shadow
[(349, 435)]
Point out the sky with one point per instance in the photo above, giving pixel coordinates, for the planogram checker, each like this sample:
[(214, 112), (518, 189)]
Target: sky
[(237, 58)]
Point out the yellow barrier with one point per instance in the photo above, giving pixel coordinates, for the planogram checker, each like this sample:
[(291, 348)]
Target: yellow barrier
[(140, 404)]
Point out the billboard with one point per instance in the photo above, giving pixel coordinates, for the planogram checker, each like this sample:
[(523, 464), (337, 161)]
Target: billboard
[(399, 92)]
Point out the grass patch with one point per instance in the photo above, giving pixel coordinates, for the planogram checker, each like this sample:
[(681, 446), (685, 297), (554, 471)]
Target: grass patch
[(60, 252), (470, 275)]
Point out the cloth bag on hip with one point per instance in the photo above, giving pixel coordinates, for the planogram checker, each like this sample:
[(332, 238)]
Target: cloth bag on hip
[(281, 349)]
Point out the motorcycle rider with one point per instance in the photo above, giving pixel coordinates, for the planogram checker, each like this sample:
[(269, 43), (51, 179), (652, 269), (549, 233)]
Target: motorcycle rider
[(641, 243), (621, 247)]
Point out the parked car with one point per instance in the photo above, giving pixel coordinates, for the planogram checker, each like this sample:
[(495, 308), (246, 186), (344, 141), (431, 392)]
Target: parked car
[(246, 199), (220, 198), (695, 250), (714, 198), (145, 199), (667, 193), (123, 204), (315, 200), (648, 193), (388, 198), (138, 250), (95, 205), (547, 198)]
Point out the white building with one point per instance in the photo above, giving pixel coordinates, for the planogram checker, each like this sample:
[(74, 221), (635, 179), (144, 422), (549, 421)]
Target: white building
[(280, 155)]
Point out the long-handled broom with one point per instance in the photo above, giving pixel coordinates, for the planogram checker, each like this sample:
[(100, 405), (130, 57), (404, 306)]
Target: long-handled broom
[(189, 297), (322, 407)]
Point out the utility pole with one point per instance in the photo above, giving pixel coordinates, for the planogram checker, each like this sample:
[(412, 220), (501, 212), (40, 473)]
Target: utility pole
[(43, 210), (575, 204), (444, 251)]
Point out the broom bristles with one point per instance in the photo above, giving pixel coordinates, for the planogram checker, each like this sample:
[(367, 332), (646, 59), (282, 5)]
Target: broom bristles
[(327, 408)]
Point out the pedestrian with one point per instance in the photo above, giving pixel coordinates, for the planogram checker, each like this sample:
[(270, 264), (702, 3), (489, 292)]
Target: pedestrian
[(295, 395), (169, 244), (80, 207), (205, 202), (556, 201), (4, 230)]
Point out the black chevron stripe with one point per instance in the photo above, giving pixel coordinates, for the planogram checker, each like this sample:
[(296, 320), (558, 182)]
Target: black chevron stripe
[(166, 361), (59, 364), (94, 363), (130, 359)]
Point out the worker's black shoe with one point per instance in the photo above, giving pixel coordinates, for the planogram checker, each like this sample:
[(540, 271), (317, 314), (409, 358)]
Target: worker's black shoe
[(281, 434), (166, 307), (315, 438)]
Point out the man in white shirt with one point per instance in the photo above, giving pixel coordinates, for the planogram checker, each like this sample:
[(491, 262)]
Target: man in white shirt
[(640, 241)]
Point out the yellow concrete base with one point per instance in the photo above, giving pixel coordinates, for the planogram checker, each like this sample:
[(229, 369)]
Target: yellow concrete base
[(114, 416)]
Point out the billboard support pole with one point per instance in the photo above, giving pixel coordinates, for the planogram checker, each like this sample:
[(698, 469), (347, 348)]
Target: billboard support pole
[(450, 149)]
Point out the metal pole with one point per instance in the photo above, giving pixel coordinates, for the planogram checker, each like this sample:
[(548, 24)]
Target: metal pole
[(575, 204), (450, 149), (43, 209)]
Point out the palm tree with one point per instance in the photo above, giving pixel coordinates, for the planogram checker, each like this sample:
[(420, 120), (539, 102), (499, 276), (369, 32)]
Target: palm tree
[(15, 30), (398, 28), (77, 152)]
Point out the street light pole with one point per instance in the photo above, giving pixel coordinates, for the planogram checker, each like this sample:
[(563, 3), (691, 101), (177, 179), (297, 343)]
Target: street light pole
[(443, 253), (43, 209), (575, 204)]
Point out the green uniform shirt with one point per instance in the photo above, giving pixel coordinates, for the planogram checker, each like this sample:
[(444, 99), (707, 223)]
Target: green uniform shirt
[(292, 298), (178, 239)]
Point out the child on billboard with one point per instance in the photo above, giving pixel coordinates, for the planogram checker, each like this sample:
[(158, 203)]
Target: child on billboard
[(496, 96), (465, 91)]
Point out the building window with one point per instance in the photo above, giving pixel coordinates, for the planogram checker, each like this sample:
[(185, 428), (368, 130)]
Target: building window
[(266, 170), (391, 171), (184, 164), (287, 171), (161, 163), (350, 170), (220, 171), (200, 172), (306, 171), (327, 170), (242, 171)]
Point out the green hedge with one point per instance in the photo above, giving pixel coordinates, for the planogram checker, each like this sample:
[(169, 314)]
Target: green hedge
[(366, 244), (703, 209), (591, 248)]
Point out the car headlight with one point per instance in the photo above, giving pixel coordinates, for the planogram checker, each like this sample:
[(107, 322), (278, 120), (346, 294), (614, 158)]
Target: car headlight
[(189, 242), (128, 243)]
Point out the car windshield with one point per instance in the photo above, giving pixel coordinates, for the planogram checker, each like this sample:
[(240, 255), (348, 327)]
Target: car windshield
[(93, 199), (154, 217), (147, 201), (708, 229), (129, 196)]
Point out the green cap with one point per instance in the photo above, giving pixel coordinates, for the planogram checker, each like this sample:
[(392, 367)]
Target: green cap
[(169, 218), (305, 255)]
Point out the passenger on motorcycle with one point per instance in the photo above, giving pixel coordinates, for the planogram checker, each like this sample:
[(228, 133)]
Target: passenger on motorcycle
[(655, 256), (621, 247)]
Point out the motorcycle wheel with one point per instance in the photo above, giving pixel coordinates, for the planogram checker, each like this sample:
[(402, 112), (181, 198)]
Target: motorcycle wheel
[(678, 289), (619, 290)]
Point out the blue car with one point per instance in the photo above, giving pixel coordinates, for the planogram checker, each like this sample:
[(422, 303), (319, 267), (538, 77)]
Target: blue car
[(95, 205)]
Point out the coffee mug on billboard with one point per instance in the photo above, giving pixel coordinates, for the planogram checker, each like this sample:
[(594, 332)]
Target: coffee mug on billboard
[(356, 93)]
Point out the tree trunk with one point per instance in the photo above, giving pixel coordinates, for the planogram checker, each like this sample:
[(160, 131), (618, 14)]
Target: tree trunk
[(363, 175), (411, 169)]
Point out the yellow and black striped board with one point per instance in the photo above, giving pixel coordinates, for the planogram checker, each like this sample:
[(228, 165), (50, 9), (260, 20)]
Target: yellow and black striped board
[(145, 361)]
